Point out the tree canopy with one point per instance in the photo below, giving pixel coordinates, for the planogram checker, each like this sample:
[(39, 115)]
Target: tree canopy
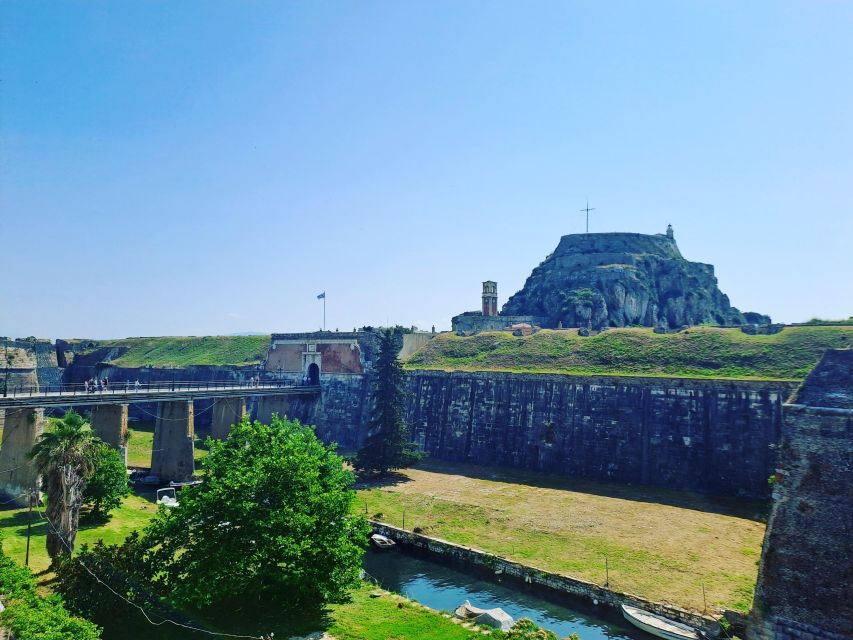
[(107, 485), (270, 521), (66, 454), (387, 445)]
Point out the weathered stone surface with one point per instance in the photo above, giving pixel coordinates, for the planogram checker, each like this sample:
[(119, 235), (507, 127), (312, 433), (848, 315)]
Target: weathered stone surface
[(704, 435), (172, 455), (805, 583), (18, 474), (226, 412), (622, 279), (109, 422)]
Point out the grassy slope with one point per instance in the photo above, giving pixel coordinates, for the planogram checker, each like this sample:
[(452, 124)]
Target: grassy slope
[(662, 545), (184, 351), (697, 352)]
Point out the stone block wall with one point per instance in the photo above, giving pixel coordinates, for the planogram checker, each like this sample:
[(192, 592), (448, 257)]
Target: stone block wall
[(703, 435), (805, 583)]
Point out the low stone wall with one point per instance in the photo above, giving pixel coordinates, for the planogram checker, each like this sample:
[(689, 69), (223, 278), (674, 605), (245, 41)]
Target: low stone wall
[(553, 582)]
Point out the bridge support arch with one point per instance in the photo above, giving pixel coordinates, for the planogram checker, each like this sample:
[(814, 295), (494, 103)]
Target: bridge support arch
[(172, 457), (18, 474)]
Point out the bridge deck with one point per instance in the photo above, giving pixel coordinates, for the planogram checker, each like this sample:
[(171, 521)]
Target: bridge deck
[(162, 393)]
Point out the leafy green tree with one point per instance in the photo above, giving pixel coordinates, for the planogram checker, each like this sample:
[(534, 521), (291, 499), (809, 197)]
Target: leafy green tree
[(123, 568), (387, 446), (107, 485), (65, 455), (271, 522)]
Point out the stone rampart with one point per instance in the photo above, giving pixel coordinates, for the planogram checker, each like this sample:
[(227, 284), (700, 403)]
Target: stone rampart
[(704, 435), (805, 582)]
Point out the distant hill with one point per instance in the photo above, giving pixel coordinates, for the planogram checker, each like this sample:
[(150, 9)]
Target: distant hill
[(700, 352)]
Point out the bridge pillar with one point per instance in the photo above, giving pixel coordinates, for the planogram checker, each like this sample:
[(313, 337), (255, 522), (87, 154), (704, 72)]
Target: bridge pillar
[(268, 405), (172, 456), (21, 430), (109, 422), (226, 411)]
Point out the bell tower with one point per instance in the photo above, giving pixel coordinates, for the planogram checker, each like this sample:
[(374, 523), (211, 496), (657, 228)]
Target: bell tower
[(490, 298)]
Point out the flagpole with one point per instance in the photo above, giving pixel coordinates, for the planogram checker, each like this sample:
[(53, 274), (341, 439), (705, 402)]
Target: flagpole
[(324, 311)]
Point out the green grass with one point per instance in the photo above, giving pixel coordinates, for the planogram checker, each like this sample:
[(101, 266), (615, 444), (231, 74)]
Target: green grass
[(184, 351), (367, 618), (660, 544), (141, 441), (134, 513), (699, 352), (388, 616)]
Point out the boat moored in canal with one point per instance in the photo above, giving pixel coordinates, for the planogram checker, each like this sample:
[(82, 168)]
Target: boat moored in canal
[(658, 625)]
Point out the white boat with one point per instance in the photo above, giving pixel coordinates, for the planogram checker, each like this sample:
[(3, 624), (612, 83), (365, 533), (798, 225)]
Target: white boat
[(658, 625), (381, 541)]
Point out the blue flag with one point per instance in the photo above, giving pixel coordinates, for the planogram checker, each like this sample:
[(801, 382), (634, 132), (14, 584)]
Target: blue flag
[(321, 296)]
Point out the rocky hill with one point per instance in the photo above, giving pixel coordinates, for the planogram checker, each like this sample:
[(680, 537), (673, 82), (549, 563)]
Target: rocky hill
[(624, 279)]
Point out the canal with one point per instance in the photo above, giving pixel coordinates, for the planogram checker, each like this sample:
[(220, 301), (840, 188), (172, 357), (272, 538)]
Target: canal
[(444, 588)]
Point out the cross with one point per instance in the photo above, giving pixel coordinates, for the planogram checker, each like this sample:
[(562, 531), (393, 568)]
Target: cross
[(587, 210)]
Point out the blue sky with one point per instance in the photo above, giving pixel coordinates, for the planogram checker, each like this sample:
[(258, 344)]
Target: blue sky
[(209, 167)]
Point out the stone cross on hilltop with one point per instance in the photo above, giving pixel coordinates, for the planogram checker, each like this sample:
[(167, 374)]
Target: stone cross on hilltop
[(587, 210)]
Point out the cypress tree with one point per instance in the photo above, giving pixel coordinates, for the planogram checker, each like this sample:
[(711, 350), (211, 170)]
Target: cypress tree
[(387, 446)]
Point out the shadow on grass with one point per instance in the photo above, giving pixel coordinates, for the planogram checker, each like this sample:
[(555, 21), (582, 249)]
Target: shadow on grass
[(747, 508), (392, 479)]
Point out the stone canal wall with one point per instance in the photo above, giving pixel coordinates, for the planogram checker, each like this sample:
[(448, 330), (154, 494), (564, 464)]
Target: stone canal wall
[(554, 583), (704, 435)]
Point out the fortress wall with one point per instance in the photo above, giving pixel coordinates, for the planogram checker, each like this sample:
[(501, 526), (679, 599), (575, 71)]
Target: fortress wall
[(805, 581), (703, 435)]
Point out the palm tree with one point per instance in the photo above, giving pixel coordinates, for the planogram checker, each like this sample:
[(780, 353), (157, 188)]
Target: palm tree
[(66, 457)]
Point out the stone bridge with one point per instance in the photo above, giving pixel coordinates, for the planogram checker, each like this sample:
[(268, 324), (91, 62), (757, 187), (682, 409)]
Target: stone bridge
[(22, 415)]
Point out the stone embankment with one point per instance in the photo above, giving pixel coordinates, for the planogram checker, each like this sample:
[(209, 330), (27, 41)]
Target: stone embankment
[(547, 581)]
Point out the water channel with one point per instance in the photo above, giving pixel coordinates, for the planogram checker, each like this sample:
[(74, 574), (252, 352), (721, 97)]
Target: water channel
[(444, 588)]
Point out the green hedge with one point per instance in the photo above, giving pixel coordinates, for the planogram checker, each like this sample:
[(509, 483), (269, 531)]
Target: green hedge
[(31, 617)]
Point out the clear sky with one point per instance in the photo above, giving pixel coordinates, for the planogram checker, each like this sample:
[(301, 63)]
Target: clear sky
[(201, 167)]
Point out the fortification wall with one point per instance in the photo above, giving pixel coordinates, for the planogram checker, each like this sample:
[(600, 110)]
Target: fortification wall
[(703, 435), (805, 583)]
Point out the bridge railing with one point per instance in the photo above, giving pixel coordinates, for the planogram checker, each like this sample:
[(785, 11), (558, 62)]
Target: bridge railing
[(99, 389)]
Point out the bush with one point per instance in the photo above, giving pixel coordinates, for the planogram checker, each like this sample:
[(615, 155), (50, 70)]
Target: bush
[(108, 485), (30, 617)]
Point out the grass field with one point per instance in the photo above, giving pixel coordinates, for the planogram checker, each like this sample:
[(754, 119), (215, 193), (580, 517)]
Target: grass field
[(700, 352), (183, 351), (659, 544), (141, 441)]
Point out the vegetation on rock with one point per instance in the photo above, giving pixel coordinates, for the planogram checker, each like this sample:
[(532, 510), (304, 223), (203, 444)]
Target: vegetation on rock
[(698, 352)]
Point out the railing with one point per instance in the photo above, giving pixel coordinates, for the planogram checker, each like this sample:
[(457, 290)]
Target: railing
[(99, 389)]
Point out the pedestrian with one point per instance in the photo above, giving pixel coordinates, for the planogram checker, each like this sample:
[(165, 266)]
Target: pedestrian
[(106, 384), (86, 386), (126, 386), (136, 385)]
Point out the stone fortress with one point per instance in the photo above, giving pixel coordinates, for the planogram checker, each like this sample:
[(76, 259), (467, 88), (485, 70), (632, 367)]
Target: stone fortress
[(719, 436), (597, 280)]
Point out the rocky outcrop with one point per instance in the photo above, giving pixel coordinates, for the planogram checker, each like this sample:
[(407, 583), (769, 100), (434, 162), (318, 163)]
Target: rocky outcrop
[(624, 279)]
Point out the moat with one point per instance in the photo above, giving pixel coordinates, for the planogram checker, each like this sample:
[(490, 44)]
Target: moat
[(444, 588)]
